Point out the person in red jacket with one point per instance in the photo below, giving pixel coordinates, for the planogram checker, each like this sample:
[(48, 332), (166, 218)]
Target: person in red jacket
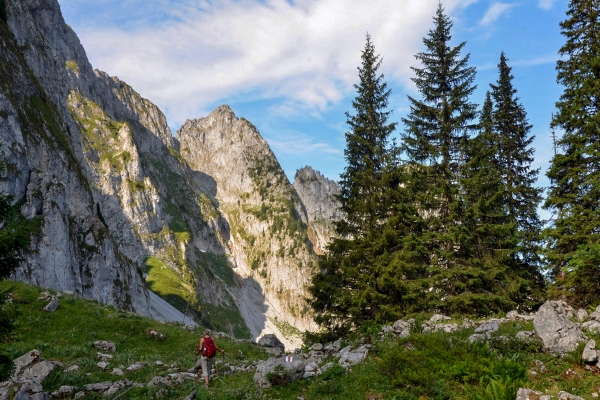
[(208, 348)]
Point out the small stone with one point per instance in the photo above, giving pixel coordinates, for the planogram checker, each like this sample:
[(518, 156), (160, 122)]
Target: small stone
[(117, 371), (72, 368), (102, 365), (105, 345)]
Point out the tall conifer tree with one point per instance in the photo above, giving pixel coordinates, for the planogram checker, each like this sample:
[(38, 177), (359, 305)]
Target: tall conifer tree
[(574, 237), (350, 288), (514, 158), (438, 261)]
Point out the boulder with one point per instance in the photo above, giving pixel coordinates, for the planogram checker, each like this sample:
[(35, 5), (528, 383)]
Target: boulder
[(39, 371), (590, 355), (527, 394), (272, 344), (26, 360), (317, 347), (591, 325), (558, 334), (270, 340), (581, 315), (438, 317), (568, 396), (311, 369), (488, 327), (52, 305), (401, 328), (349, 357), (278, 369), (105, 345)]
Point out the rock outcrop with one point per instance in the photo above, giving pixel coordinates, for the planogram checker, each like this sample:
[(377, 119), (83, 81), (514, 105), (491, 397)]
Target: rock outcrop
[(318, 195), (266, 227), (558, 334)]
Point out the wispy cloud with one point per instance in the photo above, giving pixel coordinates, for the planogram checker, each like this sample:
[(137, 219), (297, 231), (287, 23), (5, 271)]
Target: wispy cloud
[(299, 143), (546, 4), (187, 54), (524, 62), (495, 11)]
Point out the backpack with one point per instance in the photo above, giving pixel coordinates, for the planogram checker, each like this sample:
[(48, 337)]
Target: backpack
[(209, 349)]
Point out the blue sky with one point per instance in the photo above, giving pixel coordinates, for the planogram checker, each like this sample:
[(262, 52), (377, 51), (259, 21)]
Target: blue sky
[(288, 66)]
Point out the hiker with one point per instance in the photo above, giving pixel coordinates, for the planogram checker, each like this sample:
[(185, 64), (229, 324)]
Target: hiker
[(208, 348)]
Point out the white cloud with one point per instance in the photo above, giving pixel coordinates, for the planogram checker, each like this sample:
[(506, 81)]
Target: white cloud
[(494, 12), (303, 52), (546, 4)]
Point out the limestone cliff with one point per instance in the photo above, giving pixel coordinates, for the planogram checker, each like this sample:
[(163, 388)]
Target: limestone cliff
[(268, 241), (204, 223), (318, 195)]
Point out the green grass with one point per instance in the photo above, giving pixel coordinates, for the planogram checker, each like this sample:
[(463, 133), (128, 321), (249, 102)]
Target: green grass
[(72, 65), (67, 335), (422, 366)]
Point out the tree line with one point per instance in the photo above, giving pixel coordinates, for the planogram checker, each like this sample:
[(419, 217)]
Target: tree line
[(446, 220)]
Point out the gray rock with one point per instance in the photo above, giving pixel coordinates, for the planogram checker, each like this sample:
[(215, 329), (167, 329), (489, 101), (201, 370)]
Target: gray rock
[(317, 347), (402, 328), (117, 372), (26, 360), (581, 315), (104, 357), (558, 334), (292, 370), (271, 341), (39, 371), (478, 337), (337, 345), (590, 355), (448, 328), (105, 345), (72, 368), (102, 365), (438, 317), (527, 394), (159, 381), (135, 367), (568, 396), (488, 327), (591, 325), (63, 391), (192, 396), (349, 357), (52, 305), (311, 369), (527, 336), (97, 387)]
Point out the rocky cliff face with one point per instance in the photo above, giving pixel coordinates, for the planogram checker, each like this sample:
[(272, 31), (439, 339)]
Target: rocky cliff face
[(268, 232), (207, 220), (318, 195)]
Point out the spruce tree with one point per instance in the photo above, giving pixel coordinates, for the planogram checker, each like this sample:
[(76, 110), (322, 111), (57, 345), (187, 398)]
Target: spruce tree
[(573, 249), (437, 261), (514, 158), (350, 288)]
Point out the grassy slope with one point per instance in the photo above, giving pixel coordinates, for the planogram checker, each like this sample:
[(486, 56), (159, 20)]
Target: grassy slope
[(422, 366)]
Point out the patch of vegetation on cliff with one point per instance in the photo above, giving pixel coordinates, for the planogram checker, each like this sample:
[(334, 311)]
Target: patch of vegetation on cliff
[(217, 264), (72, 65), (168, 284), (101, 132)]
